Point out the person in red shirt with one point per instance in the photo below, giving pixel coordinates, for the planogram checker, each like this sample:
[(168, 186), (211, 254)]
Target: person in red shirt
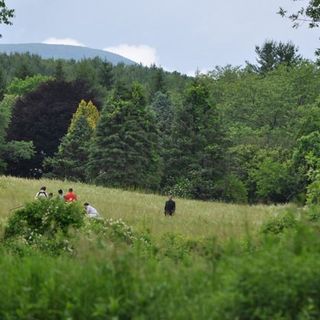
[(70, 196)]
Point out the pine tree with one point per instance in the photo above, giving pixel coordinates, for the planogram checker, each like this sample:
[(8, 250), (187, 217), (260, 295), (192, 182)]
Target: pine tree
[(124, 152), (163, 109), (106, 75), (59, 73), (197, 151), (164, 113), (157, 81), (23, 71)]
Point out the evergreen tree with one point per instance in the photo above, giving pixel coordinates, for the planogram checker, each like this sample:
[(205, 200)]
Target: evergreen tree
[(71, 159), (85, 71), (106, 75), (59, 73), (163, 109), (125, 148), (23, 71), (157, 81), (2, 84), (272, 54), (198, 141), (87, 110)]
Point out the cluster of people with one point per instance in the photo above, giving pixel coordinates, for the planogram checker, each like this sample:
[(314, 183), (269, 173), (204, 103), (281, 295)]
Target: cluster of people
[(70, 196)]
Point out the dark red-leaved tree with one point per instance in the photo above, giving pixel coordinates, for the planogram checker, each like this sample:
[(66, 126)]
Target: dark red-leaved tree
[(43, 116)]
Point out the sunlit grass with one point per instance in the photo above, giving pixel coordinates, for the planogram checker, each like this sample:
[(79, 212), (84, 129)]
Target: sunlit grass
[(193, 219)]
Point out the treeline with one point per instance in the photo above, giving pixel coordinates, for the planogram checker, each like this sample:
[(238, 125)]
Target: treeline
[(246, 134)]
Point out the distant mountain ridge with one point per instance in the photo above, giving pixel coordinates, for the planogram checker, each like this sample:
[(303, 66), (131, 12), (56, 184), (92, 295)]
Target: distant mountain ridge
[(67, 52)]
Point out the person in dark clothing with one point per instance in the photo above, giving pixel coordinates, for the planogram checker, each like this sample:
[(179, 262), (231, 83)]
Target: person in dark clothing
[(170, 207)]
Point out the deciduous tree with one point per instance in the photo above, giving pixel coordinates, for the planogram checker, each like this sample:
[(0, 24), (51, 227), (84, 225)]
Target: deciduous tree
[(43, 116)]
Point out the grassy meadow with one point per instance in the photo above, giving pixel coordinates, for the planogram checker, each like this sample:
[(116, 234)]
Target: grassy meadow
[(209, 261), (193, 219)]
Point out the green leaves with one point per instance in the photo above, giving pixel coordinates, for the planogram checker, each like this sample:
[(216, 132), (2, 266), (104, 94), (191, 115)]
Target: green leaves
[(6, 14), (309, 14)]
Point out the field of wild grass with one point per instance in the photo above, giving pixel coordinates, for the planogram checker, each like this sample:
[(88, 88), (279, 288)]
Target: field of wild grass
[(193, 219), (210, 261)]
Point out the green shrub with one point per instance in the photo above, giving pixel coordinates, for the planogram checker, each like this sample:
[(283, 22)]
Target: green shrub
[(182, 188), (175, 246), (45, 224), (313, 193), (280, 223), (231, 189), (313, 213), (279, 281), (111, 229)]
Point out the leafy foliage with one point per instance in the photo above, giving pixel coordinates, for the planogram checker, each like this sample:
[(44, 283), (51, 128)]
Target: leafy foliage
[(6, 14), (310, 13), (46, 217), (235, 134), (19, 87), (44, 225), (280, 223), (51, 107), (115, 272), (13, 151)]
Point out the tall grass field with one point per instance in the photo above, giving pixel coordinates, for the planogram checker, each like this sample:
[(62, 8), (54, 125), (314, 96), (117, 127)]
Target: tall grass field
[(209, 261), (193, 219)]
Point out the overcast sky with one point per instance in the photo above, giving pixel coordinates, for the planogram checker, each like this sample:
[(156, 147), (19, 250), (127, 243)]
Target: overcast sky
[(182, 35)]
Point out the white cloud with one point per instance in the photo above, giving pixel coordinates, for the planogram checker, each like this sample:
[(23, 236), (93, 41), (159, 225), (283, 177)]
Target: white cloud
[(65, 41), (193, 73), (139, 53)]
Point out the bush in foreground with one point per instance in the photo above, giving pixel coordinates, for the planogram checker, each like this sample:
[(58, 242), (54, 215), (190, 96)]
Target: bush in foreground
[(46, 224)]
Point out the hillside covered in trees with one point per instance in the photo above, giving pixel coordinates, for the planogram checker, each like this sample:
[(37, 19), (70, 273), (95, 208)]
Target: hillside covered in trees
[(237, 134)]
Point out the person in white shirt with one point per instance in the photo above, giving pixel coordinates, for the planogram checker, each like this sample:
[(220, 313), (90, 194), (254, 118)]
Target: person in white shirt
[(91, 211), (42, 194)]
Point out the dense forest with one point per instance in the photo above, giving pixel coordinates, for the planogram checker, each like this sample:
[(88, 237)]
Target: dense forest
[(237, 134)]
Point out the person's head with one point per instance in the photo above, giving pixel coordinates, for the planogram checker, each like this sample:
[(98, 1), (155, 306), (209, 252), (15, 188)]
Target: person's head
[(60, 191), (43, 188), (86, 204), (70, 190), (170, 196)]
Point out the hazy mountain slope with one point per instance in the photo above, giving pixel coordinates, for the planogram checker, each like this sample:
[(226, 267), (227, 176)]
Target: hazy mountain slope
[(63, 52)]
